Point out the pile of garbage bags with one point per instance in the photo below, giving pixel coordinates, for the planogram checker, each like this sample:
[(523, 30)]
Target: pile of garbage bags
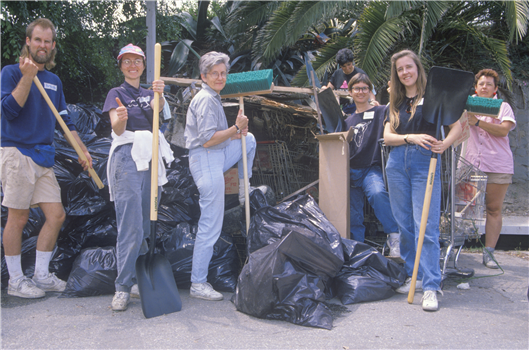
[(85, 255), (296, 257), (297, 260)]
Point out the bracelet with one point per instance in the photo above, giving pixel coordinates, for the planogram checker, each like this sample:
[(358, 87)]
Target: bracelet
[(406, 139), (477, 123), (238, 130)]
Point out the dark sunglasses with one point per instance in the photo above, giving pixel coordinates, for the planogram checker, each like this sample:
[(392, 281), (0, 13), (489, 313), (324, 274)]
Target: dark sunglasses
[(409, 103)]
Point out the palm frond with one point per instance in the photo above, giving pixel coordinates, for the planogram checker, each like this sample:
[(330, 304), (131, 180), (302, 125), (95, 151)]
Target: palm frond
[(249, 13), (273, 35), (376, 37), (517, 13)]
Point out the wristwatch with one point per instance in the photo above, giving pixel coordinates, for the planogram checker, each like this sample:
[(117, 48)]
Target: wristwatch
[(477, 123), (406, 139), (238, 130)]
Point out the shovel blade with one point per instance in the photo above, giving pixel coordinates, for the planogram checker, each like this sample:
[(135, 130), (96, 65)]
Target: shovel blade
[(158, 291), (446, 95)]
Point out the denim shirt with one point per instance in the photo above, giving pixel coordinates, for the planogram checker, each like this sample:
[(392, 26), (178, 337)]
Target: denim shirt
[(205, 116)]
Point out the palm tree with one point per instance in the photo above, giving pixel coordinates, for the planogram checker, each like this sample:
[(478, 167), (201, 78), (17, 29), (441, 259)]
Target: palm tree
[(464, 35)]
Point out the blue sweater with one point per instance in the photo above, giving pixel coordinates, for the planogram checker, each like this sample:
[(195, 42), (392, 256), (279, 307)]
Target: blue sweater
[(33, 124)]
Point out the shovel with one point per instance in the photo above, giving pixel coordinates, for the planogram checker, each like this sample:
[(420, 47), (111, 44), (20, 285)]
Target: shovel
[(156, 283), (444, 101)]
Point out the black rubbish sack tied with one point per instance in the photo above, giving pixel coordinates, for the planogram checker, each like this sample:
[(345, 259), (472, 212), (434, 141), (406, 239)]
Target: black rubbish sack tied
[(178, 245), (286, 280), (93, 273), (366, 274), (268, 224)]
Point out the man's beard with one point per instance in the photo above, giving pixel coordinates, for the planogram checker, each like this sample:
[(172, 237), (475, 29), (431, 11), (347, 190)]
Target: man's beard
[(40, 59)]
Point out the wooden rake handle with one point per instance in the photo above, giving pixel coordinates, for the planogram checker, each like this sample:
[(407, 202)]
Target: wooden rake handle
[(68, 133)]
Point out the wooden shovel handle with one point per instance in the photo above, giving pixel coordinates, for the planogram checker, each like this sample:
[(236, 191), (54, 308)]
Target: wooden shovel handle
[(67, 133), (155, 138), (422, 230)]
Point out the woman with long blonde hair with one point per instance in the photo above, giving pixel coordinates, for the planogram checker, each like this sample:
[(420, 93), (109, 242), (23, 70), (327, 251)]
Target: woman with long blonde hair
[(413, 140)]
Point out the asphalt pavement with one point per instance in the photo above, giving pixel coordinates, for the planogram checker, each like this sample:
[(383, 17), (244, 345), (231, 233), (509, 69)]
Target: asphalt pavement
[(492, 314)]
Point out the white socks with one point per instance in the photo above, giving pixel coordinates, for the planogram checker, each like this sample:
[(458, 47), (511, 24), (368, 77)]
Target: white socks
[(14, 266), (42, 263)]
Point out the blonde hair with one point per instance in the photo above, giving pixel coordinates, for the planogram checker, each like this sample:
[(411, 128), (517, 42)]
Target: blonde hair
[(44, 23), (398, 90)]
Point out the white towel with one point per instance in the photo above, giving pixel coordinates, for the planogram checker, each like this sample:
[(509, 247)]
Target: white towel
[(142, 153)]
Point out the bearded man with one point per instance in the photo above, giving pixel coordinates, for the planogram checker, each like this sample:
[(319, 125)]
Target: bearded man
[(27, 156)]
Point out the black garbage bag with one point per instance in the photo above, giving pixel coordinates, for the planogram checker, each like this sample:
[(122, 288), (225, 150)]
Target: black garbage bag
[(286, 279), (93, 273), (88, 119), (177, 246), (179, 199), (366, 274), (80, 232), (269, 223)]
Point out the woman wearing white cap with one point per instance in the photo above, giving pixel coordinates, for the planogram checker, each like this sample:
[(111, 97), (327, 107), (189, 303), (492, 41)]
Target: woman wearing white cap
[(130, 108)]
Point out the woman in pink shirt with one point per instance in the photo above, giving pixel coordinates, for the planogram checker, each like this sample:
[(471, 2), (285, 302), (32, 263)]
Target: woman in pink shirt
[(488, 149)]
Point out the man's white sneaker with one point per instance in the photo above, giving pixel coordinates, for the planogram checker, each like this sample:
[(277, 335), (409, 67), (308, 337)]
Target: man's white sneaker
[(394, 245), (405, 288), (50, 283), (204, 291), (24, 288), (120, 301), (135, 291), (429, 301)]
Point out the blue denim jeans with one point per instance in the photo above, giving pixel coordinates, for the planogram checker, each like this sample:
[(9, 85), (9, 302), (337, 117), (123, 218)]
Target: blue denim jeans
[(207, 167), (132, 194), (407, 173), (369, 182)]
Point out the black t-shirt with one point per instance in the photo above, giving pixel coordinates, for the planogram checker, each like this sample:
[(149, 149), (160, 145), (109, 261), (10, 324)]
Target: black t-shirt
[(368, 128), (340, 80), (417, 125)]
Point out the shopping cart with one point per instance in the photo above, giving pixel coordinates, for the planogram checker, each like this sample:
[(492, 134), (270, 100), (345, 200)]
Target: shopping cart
[(462, 206)]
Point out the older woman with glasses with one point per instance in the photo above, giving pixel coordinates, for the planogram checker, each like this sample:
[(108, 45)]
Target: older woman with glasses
[(130, 108), (214, 147)]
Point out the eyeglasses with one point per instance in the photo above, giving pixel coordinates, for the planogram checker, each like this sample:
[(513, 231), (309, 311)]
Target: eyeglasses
[(361, 89), (215, 75), (137, 62)]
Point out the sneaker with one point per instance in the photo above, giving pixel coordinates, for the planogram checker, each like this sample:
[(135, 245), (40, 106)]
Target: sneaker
[(204, 291), (489, 259), (24, 288), (50, 283), (120, 301), (135, 291), (394, 245), (250, 190), (429, 301), (405, 288)]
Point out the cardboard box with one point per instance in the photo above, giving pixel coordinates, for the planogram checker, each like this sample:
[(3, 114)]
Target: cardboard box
[(334, 179), (231, 181)]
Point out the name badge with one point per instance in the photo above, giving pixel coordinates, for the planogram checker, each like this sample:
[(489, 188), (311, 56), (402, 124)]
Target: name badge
[(49, 86), (420, 102), (369, 115)]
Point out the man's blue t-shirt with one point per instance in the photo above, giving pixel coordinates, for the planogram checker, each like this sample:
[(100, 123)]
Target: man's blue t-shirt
[(34, 124)]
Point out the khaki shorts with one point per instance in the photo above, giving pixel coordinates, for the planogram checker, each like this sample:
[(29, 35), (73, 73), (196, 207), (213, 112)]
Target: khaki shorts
[(499, 178), (24, 183)]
